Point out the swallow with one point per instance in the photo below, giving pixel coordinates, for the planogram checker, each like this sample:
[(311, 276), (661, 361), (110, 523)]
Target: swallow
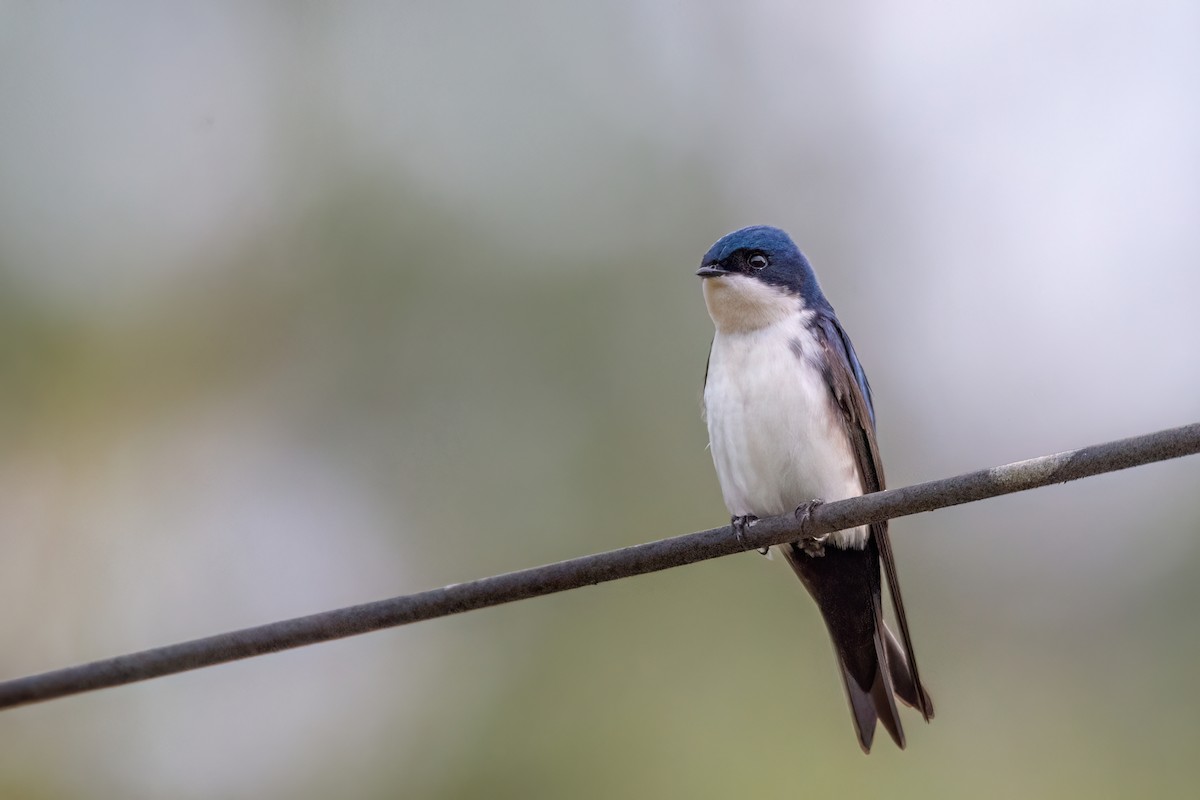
[(791, 423)]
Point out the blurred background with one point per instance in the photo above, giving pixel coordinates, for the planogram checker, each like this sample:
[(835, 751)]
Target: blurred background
[(293, 295)]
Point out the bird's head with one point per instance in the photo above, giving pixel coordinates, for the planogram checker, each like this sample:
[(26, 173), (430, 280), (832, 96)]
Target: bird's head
[(756, 276)]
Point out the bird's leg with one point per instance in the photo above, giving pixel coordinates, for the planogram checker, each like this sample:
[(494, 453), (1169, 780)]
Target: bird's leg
[(813, 546), (739, 525)]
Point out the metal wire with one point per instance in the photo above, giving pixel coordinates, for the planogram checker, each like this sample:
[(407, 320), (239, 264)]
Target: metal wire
[(608, 566)]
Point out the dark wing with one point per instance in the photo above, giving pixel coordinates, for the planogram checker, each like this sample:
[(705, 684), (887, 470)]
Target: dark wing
[(852, 393)]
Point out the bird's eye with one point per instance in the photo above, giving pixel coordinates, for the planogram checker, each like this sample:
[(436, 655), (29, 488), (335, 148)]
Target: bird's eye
[(757, 261)]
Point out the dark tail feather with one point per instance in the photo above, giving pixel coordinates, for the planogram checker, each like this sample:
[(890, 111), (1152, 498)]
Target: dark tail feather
[(917, 697), (883, 693), (846, 587), (902, 679), (871, 706), (862, 707)]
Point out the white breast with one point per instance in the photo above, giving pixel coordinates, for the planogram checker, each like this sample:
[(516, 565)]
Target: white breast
[(776, 436)]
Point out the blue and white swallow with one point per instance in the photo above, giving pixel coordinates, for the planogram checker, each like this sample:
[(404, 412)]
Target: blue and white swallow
[(790, 422)]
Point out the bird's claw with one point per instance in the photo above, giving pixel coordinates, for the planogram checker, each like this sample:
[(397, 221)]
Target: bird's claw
[(739, 525), (813, 546)]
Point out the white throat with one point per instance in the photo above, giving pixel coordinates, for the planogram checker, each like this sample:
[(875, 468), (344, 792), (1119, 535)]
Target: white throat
[(740, 303)]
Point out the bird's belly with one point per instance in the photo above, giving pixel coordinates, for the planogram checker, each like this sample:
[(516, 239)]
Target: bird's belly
[(776, 436)]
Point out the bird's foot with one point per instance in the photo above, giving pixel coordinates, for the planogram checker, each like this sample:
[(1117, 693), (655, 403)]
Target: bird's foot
[(739, 525), (813, 546)]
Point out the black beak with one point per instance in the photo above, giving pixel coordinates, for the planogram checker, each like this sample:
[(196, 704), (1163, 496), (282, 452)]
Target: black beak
[(711, 271)]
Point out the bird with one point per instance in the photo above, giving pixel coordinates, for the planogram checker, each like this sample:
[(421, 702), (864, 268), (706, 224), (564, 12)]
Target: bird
[(791, 424)]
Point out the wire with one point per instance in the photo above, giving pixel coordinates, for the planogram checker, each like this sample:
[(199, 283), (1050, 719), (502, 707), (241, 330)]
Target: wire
[(602, 567)]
